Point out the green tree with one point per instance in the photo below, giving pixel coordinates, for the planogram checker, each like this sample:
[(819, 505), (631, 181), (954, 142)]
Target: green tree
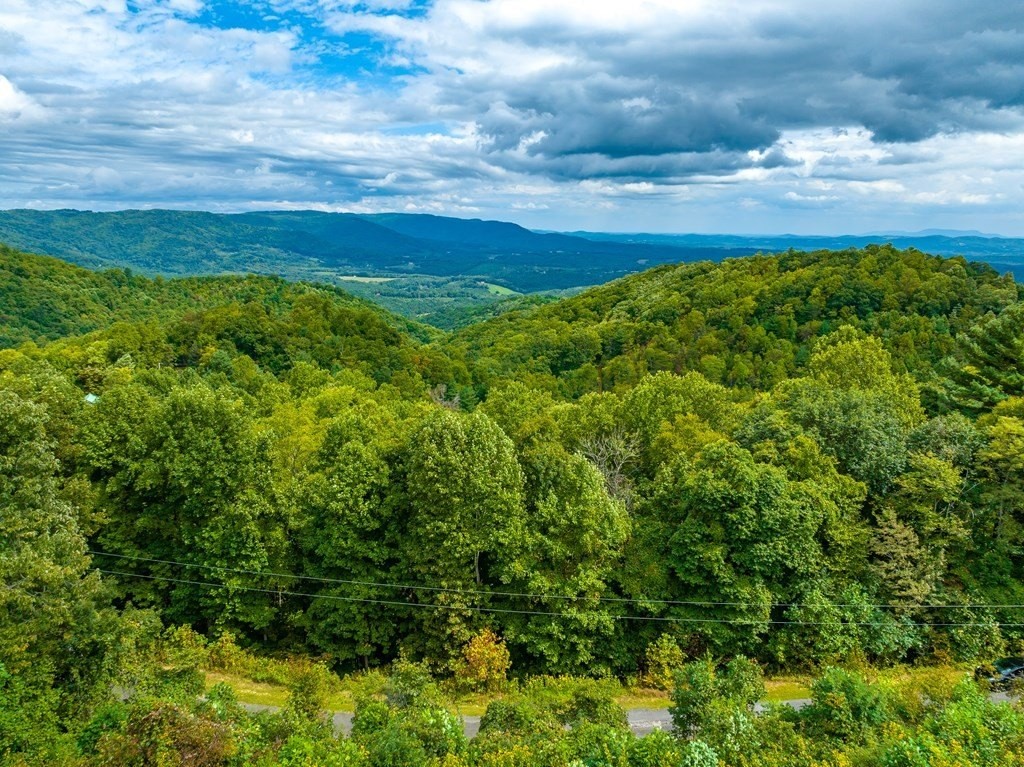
[(186, 478), (465, 498), (485, 662), (348, 530), (989, 362), (571, 541), (60, 641), (743, 532)]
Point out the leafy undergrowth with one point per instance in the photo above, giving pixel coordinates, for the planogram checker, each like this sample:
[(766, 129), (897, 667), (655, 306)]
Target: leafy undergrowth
[(266, 681), (780, 689), (343, 698)]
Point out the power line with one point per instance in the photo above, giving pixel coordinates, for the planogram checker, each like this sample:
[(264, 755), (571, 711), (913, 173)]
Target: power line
[(501, 610), (521, 595)]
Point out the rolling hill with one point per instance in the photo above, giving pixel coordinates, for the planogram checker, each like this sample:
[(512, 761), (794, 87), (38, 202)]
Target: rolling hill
[(43, 299), (743, 322)]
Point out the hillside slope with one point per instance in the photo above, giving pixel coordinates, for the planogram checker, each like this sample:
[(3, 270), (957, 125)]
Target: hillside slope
[(187, 321), (744, 322)]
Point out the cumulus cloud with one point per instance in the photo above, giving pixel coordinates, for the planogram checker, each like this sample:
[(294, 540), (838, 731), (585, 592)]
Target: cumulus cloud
[(13, 103), (673, 114)]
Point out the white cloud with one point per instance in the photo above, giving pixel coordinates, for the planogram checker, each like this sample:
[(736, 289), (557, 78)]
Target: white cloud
[(14, 104), (674, 114)]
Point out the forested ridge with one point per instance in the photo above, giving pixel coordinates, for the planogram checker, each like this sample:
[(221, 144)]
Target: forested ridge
[(746, 323), (306, 244), (684, 477)]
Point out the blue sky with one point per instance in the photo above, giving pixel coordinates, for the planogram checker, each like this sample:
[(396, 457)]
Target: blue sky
[(653, 115)]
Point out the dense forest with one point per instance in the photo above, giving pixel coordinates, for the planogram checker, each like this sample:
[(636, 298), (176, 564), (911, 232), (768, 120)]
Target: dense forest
[(690, 476)]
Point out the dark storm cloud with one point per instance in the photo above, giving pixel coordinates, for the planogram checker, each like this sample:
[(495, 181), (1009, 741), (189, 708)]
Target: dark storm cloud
[(729, 82), (614, 122)]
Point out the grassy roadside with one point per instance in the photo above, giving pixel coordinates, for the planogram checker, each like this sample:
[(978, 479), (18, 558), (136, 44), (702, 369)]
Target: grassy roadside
[(780, 688), (787, 688), (271, 694), (268, 693)]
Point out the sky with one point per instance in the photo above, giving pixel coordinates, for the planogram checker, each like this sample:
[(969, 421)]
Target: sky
[(738, 116)]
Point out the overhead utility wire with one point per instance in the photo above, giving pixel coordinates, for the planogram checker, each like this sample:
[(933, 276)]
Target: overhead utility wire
[(480, 592), (654, 618)]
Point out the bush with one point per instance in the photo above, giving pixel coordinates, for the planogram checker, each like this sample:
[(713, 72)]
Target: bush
[(716, 705), (592, 703), (845, 707), (225, 655), (697, 753), (484, 664), (658, 749), (162, 732), (662, 659), (407, 737), (109, 718), (410, 684), (968, 730), (301, 751), (702, 691), (307, 704), (598, 744), (183, 647), (517, 716)]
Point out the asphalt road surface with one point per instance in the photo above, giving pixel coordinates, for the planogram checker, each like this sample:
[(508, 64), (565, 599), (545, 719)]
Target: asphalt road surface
[(642, 721)]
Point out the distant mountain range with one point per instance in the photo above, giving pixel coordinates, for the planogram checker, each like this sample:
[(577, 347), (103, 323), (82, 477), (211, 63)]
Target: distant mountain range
[(1006, 254), (314, 245), (325, 246), (935, 232)]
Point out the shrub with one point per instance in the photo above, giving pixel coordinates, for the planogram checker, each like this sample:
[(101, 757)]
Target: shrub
[(697, 753), (162, 732), (716, 705), (663, 659), (183, 647), (658, 749), (308, 700), (846, 707), (485, 663), (409, 684), (517, 716), (301, 751)]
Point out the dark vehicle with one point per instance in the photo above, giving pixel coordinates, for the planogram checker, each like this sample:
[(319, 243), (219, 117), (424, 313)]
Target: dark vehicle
[(1002, 673)]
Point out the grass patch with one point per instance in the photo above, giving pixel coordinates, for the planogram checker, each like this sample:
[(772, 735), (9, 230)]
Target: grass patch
[(356, 278), (500, 290), (248, 691), (783, 689), (475, 704), (270, 694)]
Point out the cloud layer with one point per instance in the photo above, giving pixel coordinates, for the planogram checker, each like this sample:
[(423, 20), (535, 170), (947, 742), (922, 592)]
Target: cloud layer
[(672, 115)]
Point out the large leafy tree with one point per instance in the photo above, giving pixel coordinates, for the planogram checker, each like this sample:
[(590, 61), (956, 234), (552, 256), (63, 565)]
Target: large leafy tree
[(855, 407), (743, 537), (186, 478), (349, 531), (572, 542), (58, 636), (464, 496), (573, 537)]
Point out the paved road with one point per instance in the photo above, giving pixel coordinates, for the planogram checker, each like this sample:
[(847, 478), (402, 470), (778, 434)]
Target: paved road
[(642, 721)]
